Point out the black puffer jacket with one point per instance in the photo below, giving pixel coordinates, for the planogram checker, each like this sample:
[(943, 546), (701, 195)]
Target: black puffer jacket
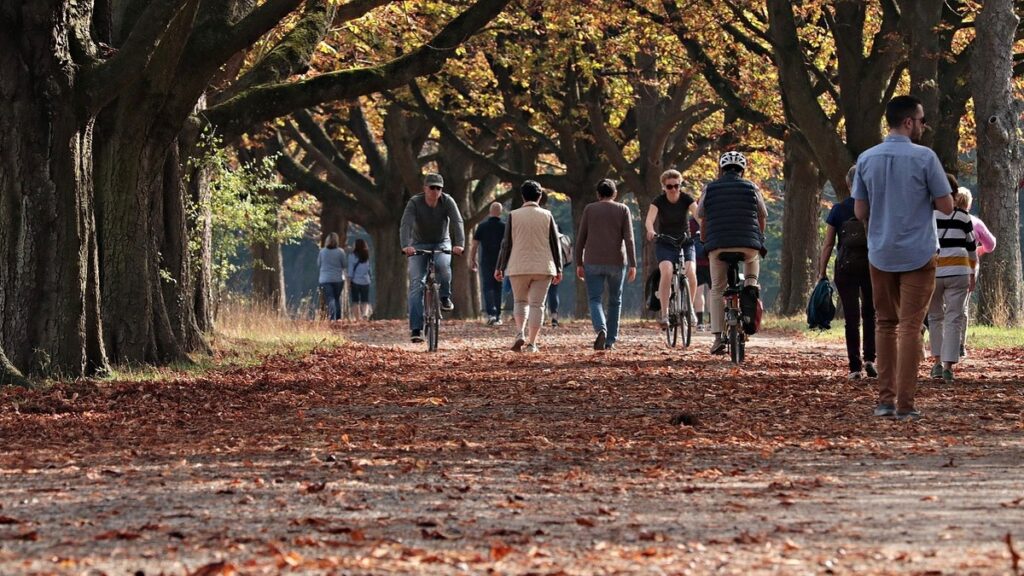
[(730, 214)]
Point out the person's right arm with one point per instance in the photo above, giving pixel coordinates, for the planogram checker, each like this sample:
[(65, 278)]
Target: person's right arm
[(944, 204), (473, 245), (405, 229), (627, 236), (826, 251), (652, 214)]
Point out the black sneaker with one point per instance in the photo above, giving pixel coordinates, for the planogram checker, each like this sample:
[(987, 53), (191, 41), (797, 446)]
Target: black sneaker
[(869, 370), (911, 416), (885, 411), (718, 346), (599, 342), (554, 322), (417, 335), (491, 321), (447, 304)]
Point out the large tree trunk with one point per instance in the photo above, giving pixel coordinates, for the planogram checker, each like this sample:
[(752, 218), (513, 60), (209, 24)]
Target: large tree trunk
[(389, 272), (268, 276), (49, 292), (201, 226), (997, 116), (332, 219), (799, 227)]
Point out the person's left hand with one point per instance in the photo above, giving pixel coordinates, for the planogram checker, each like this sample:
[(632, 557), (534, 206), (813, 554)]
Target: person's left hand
[(579, 272), (631, 275), (558, 278), (457, 250), (970, 286)]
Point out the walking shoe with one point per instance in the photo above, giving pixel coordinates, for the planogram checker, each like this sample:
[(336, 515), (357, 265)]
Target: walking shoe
[(855, 375), (701, 327), (718, 346), (693, 317), (554, 322), (663, 322), (492, 321), (497, 321), (963, 351), (447, 304), (532, 348), (885, 411), (947, 375), (518, 345), (417, 336), (912, 416), (609, 346), (937, 370), (869, 370), (599, 342)]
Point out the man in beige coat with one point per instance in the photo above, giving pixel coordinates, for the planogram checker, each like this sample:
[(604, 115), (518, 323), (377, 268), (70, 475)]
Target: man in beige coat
[(531, 257)]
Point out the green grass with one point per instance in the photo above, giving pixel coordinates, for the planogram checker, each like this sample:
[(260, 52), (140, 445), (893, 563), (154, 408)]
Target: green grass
[(978, 337), (244, 337)]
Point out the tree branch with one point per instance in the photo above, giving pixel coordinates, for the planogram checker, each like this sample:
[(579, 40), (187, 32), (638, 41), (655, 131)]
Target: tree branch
[(306, 180), (357, 125), (103, 82), (272, 101)]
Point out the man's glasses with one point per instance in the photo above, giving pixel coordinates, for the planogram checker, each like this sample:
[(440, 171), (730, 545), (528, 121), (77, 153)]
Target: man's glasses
[(671, 186), (436, 187)]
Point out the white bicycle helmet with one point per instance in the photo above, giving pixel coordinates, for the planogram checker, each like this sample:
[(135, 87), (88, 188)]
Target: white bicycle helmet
[(733, 159)]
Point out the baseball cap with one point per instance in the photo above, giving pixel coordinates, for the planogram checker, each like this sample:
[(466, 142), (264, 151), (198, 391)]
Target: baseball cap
[(434, 179)]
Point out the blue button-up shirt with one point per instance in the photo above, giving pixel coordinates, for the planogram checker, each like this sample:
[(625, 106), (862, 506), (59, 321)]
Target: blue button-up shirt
[(900, 180)]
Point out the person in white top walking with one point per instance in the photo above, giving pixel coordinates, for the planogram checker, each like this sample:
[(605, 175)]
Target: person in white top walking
[(531, 257), (954, 281)]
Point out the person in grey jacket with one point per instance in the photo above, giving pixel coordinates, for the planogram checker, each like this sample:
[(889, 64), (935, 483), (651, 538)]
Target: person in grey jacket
[(425, 226), (332, 263)]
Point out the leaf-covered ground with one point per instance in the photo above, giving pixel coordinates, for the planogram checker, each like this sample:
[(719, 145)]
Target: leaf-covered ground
[(377, 457)]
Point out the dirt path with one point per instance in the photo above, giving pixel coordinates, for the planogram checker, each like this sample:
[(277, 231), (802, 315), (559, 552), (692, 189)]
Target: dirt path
[(379, 458)]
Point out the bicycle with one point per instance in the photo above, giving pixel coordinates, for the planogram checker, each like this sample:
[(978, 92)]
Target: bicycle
[(735, 335), (680, 315), (431, 299)]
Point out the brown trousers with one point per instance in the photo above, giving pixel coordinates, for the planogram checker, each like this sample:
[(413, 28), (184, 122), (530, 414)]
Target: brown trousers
[(901, 302)]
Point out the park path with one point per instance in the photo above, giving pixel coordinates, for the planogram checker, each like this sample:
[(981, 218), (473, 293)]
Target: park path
[(376, 457)]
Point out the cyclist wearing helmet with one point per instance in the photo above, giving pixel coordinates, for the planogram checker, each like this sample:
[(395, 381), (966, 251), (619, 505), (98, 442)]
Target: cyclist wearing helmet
[(672, 210), (732, 218)]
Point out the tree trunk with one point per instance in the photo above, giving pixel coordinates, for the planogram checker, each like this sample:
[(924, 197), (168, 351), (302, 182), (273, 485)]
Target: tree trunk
[(997, 116), (332, 219), (799, 227), (201, 227), (49, 292), (268, 276), (389, 272), (579, 200)]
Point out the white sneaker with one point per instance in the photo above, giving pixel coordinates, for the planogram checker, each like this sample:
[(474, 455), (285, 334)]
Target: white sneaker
[(532, 348), (855, 376)]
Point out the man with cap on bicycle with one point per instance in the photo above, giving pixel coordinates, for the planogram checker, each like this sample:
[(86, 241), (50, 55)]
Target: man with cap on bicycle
[(732, 218), (425, 226)]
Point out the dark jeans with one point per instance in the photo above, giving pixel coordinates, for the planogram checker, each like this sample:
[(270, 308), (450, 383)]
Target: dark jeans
[(553, 299), (855, 294), (491, 289), (332, 292)]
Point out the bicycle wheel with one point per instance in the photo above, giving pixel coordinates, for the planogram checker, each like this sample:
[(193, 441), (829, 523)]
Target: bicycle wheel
[(434, 323), (685, 317), (672, 330), (735, 343)]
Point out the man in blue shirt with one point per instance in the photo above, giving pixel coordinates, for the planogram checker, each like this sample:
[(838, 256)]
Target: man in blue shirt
[(487, 240), (896, 184)]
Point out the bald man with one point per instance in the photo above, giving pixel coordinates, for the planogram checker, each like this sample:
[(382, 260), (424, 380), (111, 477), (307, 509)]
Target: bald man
[(487, 241)]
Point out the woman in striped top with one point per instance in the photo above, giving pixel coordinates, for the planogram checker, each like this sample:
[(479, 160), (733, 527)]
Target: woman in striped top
[(954, 280)]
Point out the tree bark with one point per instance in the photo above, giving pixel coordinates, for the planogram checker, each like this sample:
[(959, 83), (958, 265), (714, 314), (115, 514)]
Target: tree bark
[(389, 268), (1000, 154), (49, 290), (803, 184), (268, 277)]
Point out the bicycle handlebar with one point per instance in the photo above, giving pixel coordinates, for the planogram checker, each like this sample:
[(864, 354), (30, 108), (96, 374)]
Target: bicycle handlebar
[(682, 242), (419, 252)]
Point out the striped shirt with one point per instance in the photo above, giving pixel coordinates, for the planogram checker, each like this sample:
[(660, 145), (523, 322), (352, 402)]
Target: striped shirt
[(957, 247)]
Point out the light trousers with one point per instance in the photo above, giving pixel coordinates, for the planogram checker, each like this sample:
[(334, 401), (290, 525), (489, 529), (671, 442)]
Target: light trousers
[(529, 292)]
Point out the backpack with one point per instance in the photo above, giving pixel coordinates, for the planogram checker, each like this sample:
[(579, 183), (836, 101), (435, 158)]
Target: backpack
[(853, 248), (565, 243), (821, 309)]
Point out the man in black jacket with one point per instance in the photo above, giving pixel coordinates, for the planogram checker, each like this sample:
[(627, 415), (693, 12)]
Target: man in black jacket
[(732, 218)]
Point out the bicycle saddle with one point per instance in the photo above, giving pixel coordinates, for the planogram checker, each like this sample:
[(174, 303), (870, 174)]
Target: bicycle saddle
[(732, 257)]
